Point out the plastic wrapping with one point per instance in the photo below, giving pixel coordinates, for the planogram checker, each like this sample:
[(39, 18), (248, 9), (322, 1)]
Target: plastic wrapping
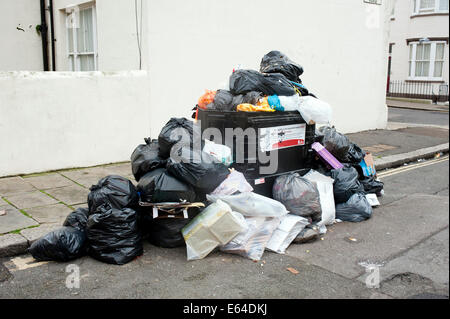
[(356, 209), (315, 110), (299, 195), (223, 101), (290, 103), (251, 204), (176, 130), (114, 236), (277, 62), (221, 152), (145, 158), (77, 219), (116, 191), (206, 99), (252, 241), (198, 169), (216, 225), (340, 146), (253, 108), (63, 245), (324, 185), (235, 182), (244, 81), (288, 229), (371, 185), (345, 183)]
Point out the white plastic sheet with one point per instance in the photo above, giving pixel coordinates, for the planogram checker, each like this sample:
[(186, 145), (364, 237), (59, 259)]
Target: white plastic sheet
[(312, 109), (289, 227), (235, 182), (221, 152)]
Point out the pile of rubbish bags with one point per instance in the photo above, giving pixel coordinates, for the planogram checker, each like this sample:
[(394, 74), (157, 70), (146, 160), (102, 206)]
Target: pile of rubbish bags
[(186, 195)]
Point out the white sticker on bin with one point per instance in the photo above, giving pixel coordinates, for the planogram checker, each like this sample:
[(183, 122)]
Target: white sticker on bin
[(260, 181), (279, 137)]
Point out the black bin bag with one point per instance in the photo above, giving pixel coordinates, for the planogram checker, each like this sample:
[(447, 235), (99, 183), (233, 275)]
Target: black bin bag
[(145, 158), (371, 186), (116, 191), (299, 195), (277, 62), (65, 244), (223, 101), (161, 187), (340, 146), (197, 168), (77, 219), (113, 235), (176, 130), (346, 183), (244, 81), (356, 209)]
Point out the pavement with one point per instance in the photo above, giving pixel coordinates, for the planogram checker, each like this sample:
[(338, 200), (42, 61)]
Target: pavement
[(417, 106)]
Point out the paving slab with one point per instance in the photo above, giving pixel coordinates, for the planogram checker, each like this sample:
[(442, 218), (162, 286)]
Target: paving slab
[(13, 220), (84, 205), (392, 229), (14, 185), (86, 177), (53, 214), (30, 200), (12, 244), (33, 234), (123, 169), (48, 181), (69, 195)]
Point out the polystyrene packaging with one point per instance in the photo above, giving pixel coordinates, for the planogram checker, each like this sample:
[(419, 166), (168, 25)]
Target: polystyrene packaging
[(288, 229), (235, 182), (216, 225), (312, 109), (251, 204), (325, 187)]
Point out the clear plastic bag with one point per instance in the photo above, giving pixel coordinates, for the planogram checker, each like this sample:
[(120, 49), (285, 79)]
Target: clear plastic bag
[(324, 185), (290, 103), (221, 152), (251, 204), (315, 110), (235, 182), (288, 229), (252, 242)]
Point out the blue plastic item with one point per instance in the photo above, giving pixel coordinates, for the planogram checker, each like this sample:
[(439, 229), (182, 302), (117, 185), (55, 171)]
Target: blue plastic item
[(275, 103)]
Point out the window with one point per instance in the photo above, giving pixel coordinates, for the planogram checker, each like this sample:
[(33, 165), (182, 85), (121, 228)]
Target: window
[(430, 6), (81, 36), (426, 60)]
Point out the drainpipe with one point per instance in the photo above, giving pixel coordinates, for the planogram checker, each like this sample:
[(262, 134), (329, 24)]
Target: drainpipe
[(44, 36), (52, 34)]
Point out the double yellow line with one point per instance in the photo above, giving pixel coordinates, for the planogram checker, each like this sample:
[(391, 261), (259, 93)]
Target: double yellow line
[(412, 166)]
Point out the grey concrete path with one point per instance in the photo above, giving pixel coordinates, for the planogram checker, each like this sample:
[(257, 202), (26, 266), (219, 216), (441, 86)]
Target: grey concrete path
[(417, 106)]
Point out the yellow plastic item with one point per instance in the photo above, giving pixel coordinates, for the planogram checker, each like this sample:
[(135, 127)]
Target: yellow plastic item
[(253, 108), (206, 99), (264, 102)]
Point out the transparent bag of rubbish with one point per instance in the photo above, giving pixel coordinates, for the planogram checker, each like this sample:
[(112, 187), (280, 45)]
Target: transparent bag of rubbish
[(288, 229), (235, 182), (221, 152), (251, 204), (315, 110)]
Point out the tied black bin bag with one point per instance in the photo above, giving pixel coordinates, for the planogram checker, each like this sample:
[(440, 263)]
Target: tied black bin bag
[(299, 195), (116, 191), (197, 168), (356, 209), (277, 62), (244, 81), (176, 130), (77, 219), (346, 183), (114, 235), (223, 101), (161, 187), (145, 158), (371, 186), (63, 244)]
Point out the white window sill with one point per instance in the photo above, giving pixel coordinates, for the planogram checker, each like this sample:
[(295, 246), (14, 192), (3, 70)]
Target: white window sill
[(432, 13), (433, 80)]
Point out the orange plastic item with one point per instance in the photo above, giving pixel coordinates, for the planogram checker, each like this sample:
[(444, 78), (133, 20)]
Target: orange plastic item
[(264, 102), (253, 108), (206, 99)]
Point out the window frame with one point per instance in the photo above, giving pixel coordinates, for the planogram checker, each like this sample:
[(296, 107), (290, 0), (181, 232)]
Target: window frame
[(435, 9), (412, 61), (75, 66)]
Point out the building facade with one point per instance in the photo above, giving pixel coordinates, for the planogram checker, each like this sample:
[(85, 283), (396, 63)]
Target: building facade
[(419, 49)]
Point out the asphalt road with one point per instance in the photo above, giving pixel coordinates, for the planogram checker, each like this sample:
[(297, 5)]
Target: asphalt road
[(418, 117), (407, 238)]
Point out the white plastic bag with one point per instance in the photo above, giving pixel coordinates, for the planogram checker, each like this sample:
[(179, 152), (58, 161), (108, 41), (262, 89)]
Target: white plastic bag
[(290, 103), (252, 242), (325, 187), (251, 204), (216, 225), (288, 229), (312, 109), (221, 152), (235, 182)]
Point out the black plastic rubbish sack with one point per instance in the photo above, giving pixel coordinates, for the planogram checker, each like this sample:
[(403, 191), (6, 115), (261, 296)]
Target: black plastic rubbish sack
[(199, 169), (299, 195), (145, 158), (340, 146), (356, 209), (161, 187), (223, 101), (176, 130), (371, 186), (77, 219), (113, 235), (244, 81), (346, 183), (116, 191), (277, 62), (63, 244)]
